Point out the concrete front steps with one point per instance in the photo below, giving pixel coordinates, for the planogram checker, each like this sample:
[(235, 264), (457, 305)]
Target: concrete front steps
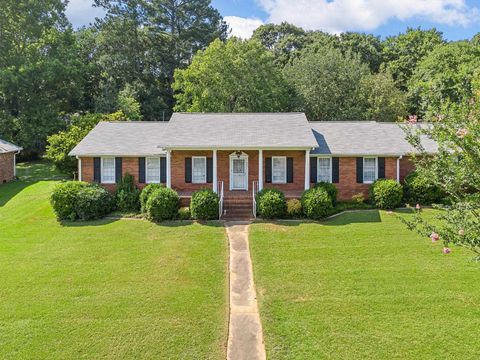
[(237, 208)]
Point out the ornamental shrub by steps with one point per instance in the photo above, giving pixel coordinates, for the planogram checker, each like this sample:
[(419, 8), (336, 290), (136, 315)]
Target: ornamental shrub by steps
[(271, 203), (162, 204), (63, 198), (204, 205), (147, 190), (331, 190), (294, 208), (316, 203), (386, 194), (184, 213)]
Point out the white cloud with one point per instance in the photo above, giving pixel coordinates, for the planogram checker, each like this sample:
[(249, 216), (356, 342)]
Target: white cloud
[(242, 27), (82, 12), (341, 15)]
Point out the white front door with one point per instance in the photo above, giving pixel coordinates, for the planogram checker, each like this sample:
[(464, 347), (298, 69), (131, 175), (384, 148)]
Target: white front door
[(239, 173)]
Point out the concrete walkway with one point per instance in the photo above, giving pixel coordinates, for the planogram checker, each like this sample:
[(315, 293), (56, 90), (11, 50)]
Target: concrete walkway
[(245, 338)]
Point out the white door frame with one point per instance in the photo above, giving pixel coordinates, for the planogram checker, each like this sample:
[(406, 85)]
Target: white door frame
[(244, 157)]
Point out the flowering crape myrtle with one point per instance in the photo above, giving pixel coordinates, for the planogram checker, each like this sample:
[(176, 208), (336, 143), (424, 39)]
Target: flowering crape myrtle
[(455, 169)]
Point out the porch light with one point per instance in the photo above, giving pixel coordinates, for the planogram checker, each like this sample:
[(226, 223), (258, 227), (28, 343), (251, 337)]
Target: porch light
[(238, 153)]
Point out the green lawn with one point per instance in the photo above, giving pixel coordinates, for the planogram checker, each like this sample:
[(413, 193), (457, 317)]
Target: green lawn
[(106, 289), (361, 286)]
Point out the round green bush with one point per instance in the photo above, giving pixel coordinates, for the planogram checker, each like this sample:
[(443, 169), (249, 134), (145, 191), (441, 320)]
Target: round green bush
[(386, 193), (316, 203), (63, 199), (271, 203), (147, 190), (331, 190), (162, 204), (418, 190), (184, 213), (93, 202), (204, 205), (294, 208)]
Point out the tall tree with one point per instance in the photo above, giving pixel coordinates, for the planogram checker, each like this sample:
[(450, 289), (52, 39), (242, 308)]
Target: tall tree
[(236, 76), (403, 52), (40, 74), (329, 84)]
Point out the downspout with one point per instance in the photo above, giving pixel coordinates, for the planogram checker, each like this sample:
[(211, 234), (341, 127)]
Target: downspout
[(79, 168), (398, 167), (15, 163)]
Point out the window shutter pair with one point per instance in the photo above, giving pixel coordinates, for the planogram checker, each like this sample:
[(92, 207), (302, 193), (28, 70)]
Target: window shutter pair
[(380, 169), (268, 170), (142, 170), (188, 170)]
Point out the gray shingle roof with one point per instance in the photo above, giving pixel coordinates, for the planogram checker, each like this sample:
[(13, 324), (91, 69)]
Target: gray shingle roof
[(363, 138), (6, 147), (239, 130), (128, 138)]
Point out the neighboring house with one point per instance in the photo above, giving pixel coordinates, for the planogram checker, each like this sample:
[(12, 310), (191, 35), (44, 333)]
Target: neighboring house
[(244, 152), (8, 153)]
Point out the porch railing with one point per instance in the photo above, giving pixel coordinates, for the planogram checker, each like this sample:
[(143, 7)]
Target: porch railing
[(254, 194), (220, 202)]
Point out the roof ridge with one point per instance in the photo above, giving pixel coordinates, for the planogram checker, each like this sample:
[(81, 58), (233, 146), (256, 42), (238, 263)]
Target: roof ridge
[(133, 122)]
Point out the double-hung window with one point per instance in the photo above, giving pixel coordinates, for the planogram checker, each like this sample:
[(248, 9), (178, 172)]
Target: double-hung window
[(152, 170), (279, 169), (370, 173), (199, 169), (108, 170), (324, 169)]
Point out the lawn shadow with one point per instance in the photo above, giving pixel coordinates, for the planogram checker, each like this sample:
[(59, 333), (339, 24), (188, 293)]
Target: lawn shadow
[(9, 190), (179, 223), (80, 223)]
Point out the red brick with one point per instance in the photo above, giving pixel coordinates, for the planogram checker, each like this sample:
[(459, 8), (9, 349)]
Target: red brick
[(7, 167)]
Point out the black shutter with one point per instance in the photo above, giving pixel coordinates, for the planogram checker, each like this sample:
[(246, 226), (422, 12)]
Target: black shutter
[(209, 170), (268, 170), (360, 170), (188, 170), (289, 170), (118, 169), (96, 169), (163, 170), (381, 168), (335, 170), (141, 170), (313, 170)]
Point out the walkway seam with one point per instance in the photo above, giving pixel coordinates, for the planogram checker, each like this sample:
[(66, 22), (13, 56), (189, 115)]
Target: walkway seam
[(245, 335)]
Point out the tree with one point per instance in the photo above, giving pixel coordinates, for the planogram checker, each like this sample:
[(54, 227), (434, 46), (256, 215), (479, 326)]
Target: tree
[(455, 170), (128, 104), (445, 74), (40, 73), (236, 76), (329, 84), (404, 51), (383, 100), (367, 46)]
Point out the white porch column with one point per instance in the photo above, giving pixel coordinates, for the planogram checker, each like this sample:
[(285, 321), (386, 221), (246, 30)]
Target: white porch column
[(260, 169), (307, 169), (79, 168), (215, 181), (169, 170), (398, 168)]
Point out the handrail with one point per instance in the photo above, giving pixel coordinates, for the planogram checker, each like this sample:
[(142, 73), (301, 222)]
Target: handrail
[(254, 201), (220, 202)]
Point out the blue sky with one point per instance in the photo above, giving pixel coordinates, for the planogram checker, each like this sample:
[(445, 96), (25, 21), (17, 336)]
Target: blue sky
[(457, 19)]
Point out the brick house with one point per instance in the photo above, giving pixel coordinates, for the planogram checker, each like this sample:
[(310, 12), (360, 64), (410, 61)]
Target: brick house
[(237, 154), (8, 154)]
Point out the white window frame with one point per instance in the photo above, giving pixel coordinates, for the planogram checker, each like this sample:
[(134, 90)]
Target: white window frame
[(318, 168), (101, 170), (376, 169), (284, 180), (204, 180), (147, 172)]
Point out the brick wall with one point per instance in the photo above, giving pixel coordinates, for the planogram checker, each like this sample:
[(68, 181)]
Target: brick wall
[(7, 167), (298, 170), (178, 170), (406, 167)]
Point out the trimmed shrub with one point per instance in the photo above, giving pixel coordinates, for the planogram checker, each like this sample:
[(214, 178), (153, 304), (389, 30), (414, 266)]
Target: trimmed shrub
[(204, 205), (147, 190), (184, 213), (331, 190), (316, 203), (294, 208), (386, 193), (358, 198), (93, 202), (63, 198), (271, 203), (418, 190), (162, 204), (127, 195)]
